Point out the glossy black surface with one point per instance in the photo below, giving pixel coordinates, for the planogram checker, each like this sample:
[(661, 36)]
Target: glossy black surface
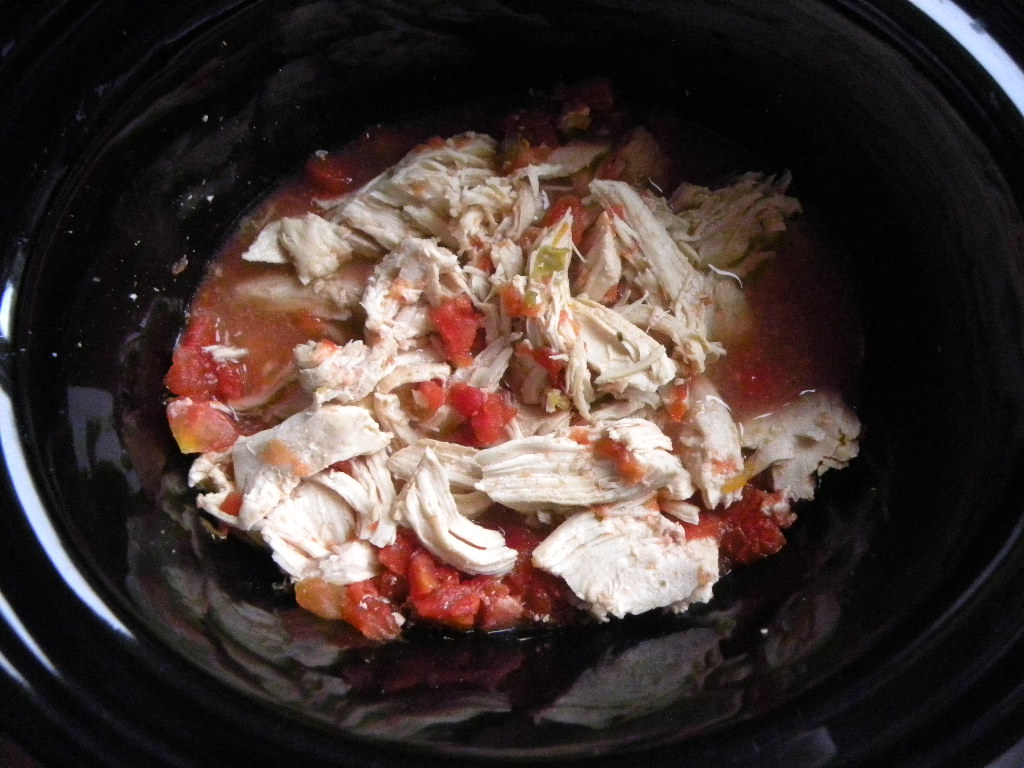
[(889, 632)]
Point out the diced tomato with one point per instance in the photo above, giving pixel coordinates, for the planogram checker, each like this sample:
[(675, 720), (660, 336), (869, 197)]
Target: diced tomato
[(395, 556), (371, 613), (440, 594), (431, 397), (232, 505), (748, 533), (454, 606), (516, 304), (499, 609), (626, 463), (329, 173), (568, 204), (488, 413), (676, 406), (191, 374), (194, 372), (580, 435), (465, 399), (198, 427), (489, 424), (547, 359), (437, 594), (360, 604), (427, 575), (458, 323), (746, 530), (544, 596)]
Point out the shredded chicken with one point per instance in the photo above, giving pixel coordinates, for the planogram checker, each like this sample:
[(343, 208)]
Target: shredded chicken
[(710, 443), (800, 441), (536, 338), (559, 473), (427, 506), (629, 561)]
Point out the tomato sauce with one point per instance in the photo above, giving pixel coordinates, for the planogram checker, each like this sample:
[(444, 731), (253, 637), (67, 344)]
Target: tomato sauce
[(805, 335)]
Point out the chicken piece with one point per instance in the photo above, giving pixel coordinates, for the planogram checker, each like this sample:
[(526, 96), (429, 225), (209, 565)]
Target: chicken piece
[(563, 473), (602, 264), (284, 293), (508, 259), (663, 269), (266, 248), (344, 287), (709, 444), (801, 441), (629, 562), (388, 410), (652, 448), (315, 246), (554, 327), (624, 358), (458, 461), (269, 465), (427, 506), (419, 195), (310, 531), (412, 373), (488, 367), (621, 409), (472, 504), (531, 420), (730, 320), (498, 209), (384, 224), (310, 534), (674, 332), (728, 225), (418, 275), (367, 487), (342, 374), (564, 161), (212, 473)]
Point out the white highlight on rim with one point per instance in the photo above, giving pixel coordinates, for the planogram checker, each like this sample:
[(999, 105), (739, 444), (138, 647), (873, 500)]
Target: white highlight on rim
[(35, 513), (11, 620), (975, 39)]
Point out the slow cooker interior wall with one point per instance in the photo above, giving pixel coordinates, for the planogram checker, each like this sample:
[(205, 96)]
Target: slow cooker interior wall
[(874, 150)]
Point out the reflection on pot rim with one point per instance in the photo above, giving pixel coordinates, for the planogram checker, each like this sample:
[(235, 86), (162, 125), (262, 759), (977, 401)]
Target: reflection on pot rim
[(975, 39)]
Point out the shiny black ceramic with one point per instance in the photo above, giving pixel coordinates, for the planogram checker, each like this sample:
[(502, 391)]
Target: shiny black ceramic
[(889, 632)]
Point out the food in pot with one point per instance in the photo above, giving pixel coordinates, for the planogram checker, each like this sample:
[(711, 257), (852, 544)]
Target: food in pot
[(504, 381)]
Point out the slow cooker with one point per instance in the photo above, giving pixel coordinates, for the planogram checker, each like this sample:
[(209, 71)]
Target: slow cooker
[(888, 633)]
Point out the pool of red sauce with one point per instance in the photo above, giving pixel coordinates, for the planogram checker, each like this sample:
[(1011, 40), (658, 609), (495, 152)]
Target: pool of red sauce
[(805, 335)]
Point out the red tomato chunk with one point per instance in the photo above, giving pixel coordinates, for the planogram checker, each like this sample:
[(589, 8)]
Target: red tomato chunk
[(487, 413), (458, 323), (198, 427)]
